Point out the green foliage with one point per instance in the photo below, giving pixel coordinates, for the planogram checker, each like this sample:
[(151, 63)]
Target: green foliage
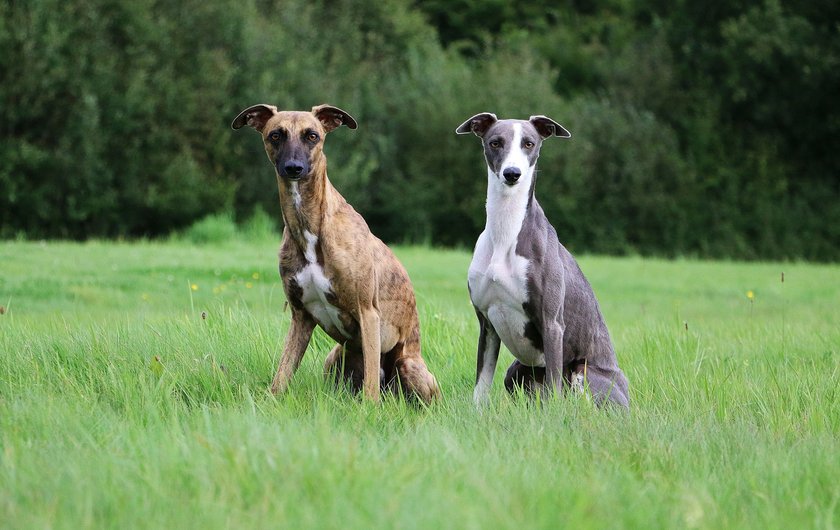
[(260, 227), (130, 400), (756, 121), (216, 228), (734, 100), (107, 131), (697, 129), (221, 228), (623, 186)]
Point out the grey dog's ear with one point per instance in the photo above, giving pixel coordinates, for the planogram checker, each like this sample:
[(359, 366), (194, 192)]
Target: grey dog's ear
[(333, 117), (256, 116), (478, 124), (547, 127)]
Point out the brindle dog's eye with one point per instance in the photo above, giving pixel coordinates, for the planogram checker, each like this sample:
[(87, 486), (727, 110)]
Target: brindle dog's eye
[(312, 137), (274, 137), (529, 145), (495, 144)]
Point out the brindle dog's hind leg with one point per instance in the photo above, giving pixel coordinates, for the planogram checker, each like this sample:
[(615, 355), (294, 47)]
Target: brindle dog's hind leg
[(333, 363), (529, 378), (414, 377), (344, 365)]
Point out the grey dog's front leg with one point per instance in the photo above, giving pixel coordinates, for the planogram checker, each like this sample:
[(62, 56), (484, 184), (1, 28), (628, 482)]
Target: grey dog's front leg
[(553, 321), (553, 348), (488, 354)]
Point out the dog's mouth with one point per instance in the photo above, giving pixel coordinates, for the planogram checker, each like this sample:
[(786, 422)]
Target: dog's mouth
[(292, 178)]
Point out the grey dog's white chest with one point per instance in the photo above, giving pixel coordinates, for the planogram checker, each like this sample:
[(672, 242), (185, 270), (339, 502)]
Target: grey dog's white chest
[(498, 280)]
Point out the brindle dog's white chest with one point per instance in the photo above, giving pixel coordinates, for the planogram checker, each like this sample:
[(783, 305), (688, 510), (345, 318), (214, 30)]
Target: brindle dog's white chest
[(315, 288), (498, 288)]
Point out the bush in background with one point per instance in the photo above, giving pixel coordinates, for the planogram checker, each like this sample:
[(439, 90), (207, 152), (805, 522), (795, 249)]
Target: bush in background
[(221, 228), (696, 130)]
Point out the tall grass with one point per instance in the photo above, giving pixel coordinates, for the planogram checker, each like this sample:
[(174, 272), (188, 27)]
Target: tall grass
[(133, 383)]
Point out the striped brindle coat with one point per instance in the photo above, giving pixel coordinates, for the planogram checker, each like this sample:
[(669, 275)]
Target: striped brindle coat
[(335, 272)]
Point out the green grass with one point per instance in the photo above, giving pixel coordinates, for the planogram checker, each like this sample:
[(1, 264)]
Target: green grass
[(735, 417)]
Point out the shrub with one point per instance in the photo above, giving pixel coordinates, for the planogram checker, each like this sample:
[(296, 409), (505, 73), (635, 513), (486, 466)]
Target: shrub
[(216, 228), (695, 131)]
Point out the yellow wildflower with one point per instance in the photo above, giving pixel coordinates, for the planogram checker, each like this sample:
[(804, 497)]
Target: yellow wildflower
[(156, 366)]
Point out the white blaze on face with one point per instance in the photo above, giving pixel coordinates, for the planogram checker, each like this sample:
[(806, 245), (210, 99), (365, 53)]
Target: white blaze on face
[(516, 156)]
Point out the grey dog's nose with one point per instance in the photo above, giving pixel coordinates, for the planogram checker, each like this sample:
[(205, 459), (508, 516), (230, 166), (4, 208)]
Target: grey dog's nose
[(511, 174), (293, 168)]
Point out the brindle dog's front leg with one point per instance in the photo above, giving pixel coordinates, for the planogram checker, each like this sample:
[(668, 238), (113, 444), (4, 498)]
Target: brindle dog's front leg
[(371, 349), (296, 342)]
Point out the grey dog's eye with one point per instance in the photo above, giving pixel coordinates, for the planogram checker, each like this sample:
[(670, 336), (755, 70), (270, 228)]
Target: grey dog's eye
[(495, 144), (529, 145)]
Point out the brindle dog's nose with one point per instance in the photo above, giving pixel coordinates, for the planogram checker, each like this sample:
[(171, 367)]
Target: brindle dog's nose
[(511, 175), (293, 168)]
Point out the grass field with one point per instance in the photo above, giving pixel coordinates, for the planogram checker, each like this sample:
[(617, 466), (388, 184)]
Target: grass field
[(133, 383)]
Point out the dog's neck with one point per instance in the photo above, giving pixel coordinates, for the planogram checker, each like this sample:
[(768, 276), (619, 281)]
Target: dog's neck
[(306, 202), (507, 207)]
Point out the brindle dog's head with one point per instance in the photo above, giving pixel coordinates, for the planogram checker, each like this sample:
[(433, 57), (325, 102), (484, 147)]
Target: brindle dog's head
[(294, 140)]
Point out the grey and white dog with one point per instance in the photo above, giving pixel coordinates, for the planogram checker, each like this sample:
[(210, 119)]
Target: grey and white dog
[(527, 289)]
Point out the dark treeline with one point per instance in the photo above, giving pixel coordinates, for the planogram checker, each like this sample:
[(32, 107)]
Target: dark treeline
[(698, 128)]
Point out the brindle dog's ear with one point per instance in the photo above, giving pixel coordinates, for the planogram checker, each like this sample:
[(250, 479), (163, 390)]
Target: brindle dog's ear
[(333, 117), (547, 127), (256, 117), (478, 124)]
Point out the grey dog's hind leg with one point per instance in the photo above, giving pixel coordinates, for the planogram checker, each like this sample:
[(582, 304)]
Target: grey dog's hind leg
[(607, 388), (529, 378)]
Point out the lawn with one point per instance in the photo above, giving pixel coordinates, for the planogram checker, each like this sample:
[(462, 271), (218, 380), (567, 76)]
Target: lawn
[(133, 383)]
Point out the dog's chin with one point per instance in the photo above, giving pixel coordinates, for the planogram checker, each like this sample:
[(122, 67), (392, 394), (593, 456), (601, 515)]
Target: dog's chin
[(293, 178)]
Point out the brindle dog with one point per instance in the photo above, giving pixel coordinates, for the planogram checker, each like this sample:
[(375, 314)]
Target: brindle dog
[(335, 272)]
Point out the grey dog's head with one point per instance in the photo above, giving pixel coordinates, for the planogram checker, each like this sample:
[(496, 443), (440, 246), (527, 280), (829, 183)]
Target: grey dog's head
[(511, 147)]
